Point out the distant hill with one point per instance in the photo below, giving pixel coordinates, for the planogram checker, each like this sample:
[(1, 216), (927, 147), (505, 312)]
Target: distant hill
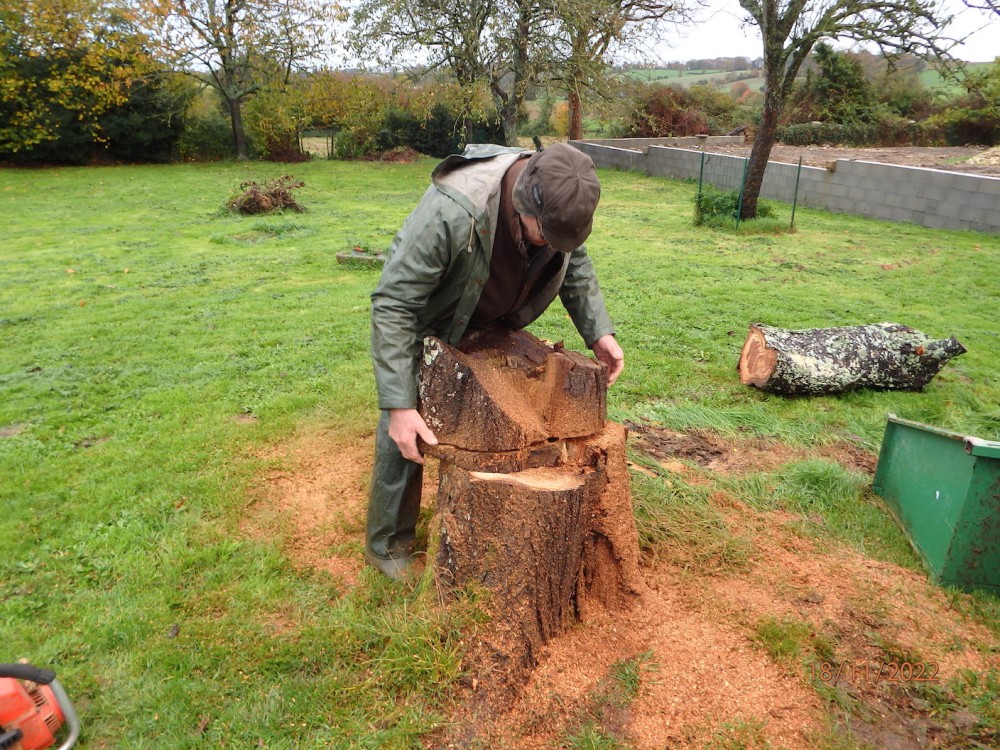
[(933, 80), (724, 74), (721, 78)]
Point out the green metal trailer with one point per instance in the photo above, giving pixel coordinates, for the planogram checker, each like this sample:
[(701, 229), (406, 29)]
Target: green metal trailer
[(944, 490)]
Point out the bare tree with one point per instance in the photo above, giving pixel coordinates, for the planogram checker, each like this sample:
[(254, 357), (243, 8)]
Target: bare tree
[(505, 45), (491, 44), (992, 6), (588, 29), (791, 28), (239, 46)]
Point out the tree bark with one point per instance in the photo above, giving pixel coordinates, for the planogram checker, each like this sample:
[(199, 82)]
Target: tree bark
[(763, 142), (575, 114), (239, 132), (533, 502), (823, 361)]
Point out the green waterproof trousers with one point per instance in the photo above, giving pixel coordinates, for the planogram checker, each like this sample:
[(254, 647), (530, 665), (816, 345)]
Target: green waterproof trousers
[(394, 499)]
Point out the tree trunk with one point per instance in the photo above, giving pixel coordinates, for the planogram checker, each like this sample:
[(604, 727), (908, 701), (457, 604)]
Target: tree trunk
[(761, 152), (575, 114), (508, 102), (239, 134), (822, 361), (507, 111), (533, 503)]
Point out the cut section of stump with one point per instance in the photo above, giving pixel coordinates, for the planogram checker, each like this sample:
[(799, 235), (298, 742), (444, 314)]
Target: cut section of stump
[(506, 392), (549, 544), (822, 361)]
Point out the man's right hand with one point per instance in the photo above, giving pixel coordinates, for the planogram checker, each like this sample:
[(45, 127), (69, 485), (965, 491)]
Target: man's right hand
[(405, 425)]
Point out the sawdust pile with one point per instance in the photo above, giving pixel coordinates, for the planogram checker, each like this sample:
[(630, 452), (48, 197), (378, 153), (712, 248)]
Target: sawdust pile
[(705, 668)]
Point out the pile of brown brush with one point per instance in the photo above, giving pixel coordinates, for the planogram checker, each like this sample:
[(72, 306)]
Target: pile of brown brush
[(273, 195)]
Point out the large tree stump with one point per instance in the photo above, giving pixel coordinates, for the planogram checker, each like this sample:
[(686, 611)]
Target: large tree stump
[(533, 502), (821, 361)]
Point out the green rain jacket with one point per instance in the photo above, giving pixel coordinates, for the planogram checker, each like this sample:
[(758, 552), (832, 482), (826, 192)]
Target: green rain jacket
[(438, 264)]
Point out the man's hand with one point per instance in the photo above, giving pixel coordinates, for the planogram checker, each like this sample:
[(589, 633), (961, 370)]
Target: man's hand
[(607, 350), (404, 427)]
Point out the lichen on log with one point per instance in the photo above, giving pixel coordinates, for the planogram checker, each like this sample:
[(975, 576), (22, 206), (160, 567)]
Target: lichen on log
[(824, 361)]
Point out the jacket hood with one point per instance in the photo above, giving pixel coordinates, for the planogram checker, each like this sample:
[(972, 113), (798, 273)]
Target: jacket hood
[(474, 151), (472, 179)]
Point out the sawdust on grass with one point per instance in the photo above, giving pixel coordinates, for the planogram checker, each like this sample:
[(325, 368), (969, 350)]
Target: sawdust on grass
[(314, 499), (708, 672)]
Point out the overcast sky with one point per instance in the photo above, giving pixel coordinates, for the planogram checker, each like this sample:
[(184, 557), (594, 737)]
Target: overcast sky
[(719, 34)]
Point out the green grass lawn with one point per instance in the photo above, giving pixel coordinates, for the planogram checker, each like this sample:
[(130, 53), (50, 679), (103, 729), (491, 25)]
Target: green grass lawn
[(139, 322)]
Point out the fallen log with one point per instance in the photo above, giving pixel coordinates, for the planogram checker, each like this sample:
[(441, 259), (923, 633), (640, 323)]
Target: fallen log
[(533, 499), (823, 361)]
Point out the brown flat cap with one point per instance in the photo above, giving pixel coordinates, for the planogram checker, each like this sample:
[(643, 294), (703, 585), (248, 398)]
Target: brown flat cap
[(559, 187)]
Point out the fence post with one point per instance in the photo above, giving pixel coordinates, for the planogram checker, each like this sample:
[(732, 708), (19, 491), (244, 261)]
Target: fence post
[(795, 198), (743, 182), (701, 175)]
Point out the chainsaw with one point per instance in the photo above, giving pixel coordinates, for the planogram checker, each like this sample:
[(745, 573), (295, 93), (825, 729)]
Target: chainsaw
[(33, 709)]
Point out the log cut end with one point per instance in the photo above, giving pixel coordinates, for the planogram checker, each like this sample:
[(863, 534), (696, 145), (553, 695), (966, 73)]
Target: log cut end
[(500, 393), (757, 360)]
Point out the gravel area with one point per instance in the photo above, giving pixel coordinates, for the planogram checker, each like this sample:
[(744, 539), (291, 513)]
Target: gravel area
[(969, 159)]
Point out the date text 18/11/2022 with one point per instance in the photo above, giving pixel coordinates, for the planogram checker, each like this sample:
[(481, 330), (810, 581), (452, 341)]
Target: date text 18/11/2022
[(873, 672)]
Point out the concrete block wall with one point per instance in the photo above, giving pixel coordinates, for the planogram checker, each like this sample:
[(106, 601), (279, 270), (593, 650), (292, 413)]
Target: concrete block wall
[(928, 197)]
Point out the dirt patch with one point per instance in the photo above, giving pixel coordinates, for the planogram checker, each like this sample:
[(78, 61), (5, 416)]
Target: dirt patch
[(702, 674), (892, 640), (708, 678), (967, 159), (893, 637), (12, 430), (314, 497), (730, 456), (852, 456)]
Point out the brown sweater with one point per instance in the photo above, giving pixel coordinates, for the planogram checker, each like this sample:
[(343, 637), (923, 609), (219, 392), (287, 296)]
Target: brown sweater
[(516, 267)]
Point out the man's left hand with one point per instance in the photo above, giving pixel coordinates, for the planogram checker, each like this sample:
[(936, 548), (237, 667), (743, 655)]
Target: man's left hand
[(607, 350)]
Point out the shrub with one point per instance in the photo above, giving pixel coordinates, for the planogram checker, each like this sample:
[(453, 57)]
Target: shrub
[(149, 126), (559, 119), (437, 135), (837, 91), (666, 111), (714, 204), (813, 134), (973, 117), (208, 134), (347, 144), (904, 95), (274, 195), (962, 125), (352, 106), (275, 119), (542, 124), (144, 127)]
